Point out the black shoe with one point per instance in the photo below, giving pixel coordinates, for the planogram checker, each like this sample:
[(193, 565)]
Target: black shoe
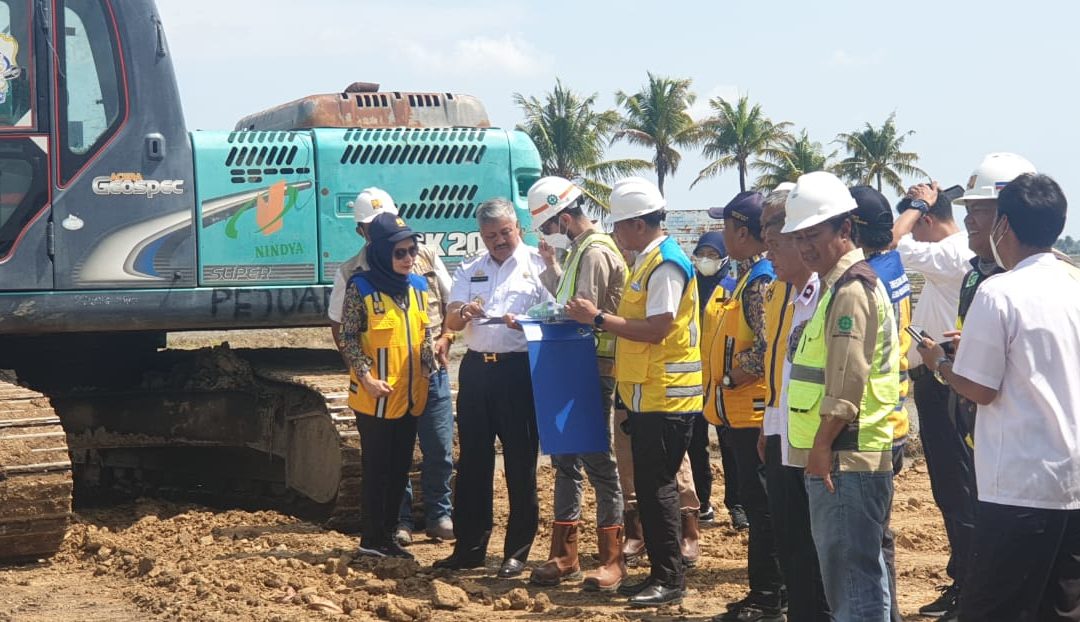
[(511, 568), (944, 603), (952, 615), (370, 551), (738, 517), (755, 607), (708, 515), (458, 561), (394, 549), (633, 589), (656, 595), (389, 549)]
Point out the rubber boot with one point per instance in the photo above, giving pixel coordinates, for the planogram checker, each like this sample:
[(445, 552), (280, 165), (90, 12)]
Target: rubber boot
[(689, 543), (612, 571), (633, 548), (562, 562)]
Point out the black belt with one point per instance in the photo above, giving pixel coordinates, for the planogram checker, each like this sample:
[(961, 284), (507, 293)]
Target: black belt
[(918, 372), (495, 357)]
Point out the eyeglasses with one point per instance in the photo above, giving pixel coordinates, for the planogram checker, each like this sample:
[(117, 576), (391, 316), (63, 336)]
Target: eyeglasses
[(402, 253)]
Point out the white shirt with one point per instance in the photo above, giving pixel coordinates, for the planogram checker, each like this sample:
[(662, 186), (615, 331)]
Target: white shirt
[(336, 307), (1022, 337), (666, 284), (513, 287), (944, 265), (776, 417)]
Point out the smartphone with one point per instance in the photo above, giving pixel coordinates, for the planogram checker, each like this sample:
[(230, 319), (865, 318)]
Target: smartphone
[(917, 334), (953, 193)]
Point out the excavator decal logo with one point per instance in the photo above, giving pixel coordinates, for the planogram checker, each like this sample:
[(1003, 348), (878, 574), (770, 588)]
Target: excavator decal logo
[(9, 49), (270, 209)]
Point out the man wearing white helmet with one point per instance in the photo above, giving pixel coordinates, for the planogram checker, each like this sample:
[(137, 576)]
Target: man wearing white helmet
[(594, 270), (842, 388), (435, 429), (658, 371)]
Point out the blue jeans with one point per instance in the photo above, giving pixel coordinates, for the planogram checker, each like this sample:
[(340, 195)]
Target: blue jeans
[(848, 526), (435, 429)]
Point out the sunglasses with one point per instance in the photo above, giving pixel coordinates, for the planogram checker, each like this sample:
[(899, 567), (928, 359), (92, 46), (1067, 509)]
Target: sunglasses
[(402, 253)]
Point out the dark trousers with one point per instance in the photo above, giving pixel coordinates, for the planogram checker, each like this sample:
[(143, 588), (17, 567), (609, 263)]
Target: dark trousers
[(386, 451), (701, 463), (495, 400), (658, 442), (731, 467), (789, 508), (761, 562), (1025, 566), (951, 466)]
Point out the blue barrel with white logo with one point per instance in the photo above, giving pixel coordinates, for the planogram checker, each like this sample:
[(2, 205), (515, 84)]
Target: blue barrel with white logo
[(566, 388)]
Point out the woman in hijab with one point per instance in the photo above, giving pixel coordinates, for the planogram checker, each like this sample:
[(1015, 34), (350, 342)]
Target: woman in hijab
[(388, 347)]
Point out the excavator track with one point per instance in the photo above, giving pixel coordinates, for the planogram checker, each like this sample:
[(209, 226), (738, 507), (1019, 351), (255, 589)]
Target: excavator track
[(35, 474)]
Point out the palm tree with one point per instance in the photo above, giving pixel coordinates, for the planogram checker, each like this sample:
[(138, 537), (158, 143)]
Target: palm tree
[(734, 134), (876, 154), (571, 137), (656, 117), (788, 159)]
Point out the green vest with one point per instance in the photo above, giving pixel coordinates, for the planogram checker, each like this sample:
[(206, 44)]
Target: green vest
[(605, 341), (872, 430)]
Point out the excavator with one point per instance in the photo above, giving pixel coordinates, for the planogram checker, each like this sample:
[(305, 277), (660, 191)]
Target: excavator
[(119, 225)]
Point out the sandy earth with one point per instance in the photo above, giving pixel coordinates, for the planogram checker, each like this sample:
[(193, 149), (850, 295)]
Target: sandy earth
[(156, 560)]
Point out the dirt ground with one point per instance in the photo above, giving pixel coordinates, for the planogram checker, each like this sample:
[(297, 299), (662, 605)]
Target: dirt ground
[(157, 560)]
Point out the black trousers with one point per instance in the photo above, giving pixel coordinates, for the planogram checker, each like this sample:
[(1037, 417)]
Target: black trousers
[(495, 400), (386, 447), (789, 508), (762, 565), (1025, 566), (658, 442), (951, 465), (701, 464)]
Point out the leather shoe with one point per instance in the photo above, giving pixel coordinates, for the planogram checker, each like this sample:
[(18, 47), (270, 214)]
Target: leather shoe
[(458, 562), (511, 568), (656, 595), (633, 589)]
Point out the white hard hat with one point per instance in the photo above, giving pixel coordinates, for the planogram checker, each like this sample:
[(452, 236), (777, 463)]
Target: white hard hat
[(996, 170), (370, 203), (784, 185), (549, 196), (816, 197), (633, 197)]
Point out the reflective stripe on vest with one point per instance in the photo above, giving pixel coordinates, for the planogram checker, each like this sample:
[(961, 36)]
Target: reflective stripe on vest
[(393, 340), (605, 341), (779, 312), (664, 377), (872, 430)]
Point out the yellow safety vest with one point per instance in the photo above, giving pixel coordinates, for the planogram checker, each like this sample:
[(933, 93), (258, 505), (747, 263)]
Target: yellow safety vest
[(743, 406), (393, 340), (605, 341), (663, 377), (872, 431), (779, 312)]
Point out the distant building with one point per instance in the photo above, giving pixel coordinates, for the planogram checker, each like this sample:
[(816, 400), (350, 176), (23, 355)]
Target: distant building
[(686, 226)]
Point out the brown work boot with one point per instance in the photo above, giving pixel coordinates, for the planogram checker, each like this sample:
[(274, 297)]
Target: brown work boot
[(689, 543), (612, 571), (633, 548), (562, 563)]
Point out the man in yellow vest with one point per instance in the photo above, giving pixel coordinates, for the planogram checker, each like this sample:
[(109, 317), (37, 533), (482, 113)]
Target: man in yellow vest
[(594, 270), (735, 396), (658, 371), (790, 301), (843, 387)]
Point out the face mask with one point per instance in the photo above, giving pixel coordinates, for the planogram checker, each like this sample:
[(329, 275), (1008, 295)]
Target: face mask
[(558, 240), (994, 248), (707, 266)]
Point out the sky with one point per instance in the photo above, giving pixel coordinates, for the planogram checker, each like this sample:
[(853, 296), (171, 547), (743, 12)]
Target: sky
[(969, 78)]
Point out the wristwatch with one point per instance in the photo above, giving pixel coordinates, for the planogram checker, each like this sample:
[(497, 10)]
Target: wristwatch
[(727, 382), (920, 205), (937, 370), (599, 319)]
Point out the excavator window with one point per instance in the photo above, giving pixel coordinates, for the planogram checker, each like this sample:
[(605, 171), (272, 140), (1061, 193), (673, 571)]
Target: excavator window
[(91, 90), (23, 187), (16, 68)]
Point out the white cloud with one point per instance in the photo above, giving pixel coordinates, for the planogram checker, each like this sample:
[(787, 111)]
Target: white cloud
[(843, 58), (701, 108), (505, 55)]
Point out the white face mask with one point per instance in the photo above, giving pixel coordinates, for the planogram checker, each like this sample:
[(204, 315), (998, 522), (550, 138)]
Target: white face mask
[(558, 240), (707, 266), (994, 248)]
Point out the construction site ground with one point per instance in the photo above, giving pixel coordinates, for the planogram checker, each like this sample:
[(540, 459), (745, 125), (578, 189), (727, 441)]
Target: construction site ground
[(165, 560)]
